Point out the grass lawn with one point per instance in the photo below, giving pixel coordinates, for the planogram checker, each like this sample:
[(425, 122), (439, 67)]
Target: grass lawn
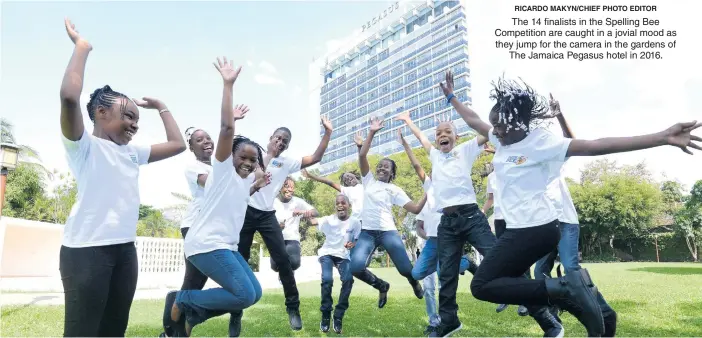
[(651, 299)]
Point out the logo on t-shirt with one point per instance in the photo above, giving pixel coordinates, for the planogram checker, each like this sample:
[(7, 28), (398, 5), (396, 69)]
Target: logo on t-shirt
[(517, 159), (134, 158), (277, 163), (452, 154)]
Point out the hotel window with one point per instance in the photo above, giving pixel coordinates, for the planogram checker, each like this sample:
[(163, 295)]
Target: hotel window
[(384, 89), (424, 57), (396, 71), (361, 77), (410, 64), (411, 76), (411, 102), (425, 83), (372, 95), (373, 106), (361, 112), (425, 96), (397, 83), (439, 105), (397, 96), (361, 89), (342, 99), (425, 110), (384, 101), (383, 55), (438, 92), (424, 70), (410, 89), (373, 83), (360, 101), (350, 84), (384, 77), (372, 71)]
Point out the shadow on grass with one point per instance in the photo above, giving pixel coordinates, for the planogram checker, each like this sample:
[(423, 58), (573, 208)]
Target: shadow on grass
[(671, 270), (12, 310)]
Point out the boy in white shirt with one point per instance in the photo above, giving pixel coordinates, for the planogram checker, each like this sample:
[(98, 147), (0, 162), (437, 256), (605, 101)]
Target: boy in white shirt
[(98, 260), (339, 230), (289, 210), (522, 165)]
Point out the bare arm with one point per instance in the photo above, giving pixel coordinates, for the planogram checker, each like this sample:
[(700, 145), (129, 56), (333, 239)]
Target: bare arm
[(314, 221), (201, 179), (556, 110), (468, 114), (72, 126), (413, 159), (226, 130), (420, 230), (488, 203), (323, 180), (175, 144), (319, 153), (376, 125), (405, 117), (416, 208), (262, 180)]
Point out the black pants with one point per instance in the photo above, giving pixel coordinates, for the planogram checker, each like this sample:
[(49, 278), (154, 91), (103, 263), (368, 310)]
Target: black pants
[(500, 278), (294, 252), (466, 224), (193, 279), (98, 284), (328, 263), (500, 227), (267, 225)]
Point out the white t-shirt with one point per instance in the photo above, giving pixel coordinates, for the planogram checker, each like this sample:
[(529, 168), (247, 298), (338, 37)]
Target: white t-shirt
[(194, 169), (107, 204), (221, 217), (378, 199), (284, 213), (491, 187), (279, 168), (430, 215), (559, 194), (522, 171), (355, 195), (337, 233), (451, 174)]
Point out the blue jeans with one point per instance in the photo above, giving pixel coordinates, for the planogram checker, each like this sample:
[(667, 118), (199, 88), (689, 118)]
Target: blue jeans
[(328, 263), (568, 251), (466, 223), (367, 242), (425, 269), (240, 288)]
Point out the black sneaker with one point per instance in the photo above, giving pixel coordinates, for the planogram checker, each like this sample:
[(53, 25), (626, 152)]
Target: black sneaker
[(337, 325), (429, 329), (522, 311), (324, 323), (171, 328), (501, 308), (418, 291), (610, 322), (446, 330), (549, 324), (235, 323), (383, 295), (295, 319), (575, 293)]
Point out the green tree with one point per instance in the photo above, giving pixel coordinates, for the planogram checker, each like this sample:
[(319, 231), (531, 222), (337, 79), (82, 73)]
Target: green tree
[(24, 194), (688, 220), (7, 136), (615, 202)]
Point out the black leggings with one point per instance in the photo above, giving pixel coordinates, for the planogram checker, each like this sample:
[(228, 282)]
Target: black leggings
[(500, 227), (193, 279), (98, 284), (294, 255), (500, 279)]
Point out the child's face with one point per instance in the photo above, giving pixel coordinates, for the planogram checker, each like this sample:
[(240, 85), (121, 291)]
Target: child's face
[(349, 179), (500, 129), (445, 136), (342, 207), (288, 189)]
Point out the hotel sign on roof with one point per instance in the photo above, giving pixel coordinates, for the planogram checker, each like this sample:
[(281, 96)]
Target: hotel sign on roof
[(382, 15)]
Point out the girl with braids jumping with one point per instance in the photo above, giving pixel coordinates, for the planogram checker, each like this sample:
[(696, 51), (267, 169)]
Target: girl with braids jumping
[(211, 245), (522, 167), (260, 215), (569, 227), (98, 260), (289, 210), (378, 226), (349, 184)]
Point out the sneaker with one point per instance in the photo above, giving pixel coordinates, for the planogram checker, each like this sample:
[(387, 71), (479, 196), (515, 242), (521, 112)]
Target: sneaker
[(446, 330), (430, 329), (324, 323), (383, 296), (522, 311), (549, 324), (501, 308), (171, 328), (337, 325), (235, 323), (575, 293), (610, 323), (295, 319)]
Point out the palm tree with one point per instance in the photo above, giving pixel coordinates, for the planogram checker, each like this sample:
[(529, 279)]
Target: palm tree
[(27, 154)]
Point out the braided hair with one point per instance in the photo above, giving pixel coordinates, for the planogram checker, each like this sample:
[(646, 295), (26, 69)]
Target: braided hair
[(517, 106), (240, 141), (104, 97), (393, 168)]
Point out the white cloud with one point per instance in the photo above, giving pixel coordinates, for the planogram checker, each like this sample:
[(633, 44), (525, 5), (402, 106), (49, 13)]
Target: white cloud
[(265, 79), (267, 67)]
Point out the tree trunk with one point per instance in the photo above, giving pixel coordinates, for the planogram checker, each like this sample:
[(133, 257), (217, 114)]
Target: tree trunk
[(692, 246)]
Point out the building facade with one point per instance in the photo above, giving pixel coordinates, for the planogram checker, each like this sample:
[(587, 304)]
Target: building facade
[(393, 64)]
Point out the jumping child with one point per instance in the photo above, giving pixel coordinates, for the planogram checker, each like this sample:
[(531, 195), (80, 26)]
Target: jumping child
[(98, 259), (289, 210)]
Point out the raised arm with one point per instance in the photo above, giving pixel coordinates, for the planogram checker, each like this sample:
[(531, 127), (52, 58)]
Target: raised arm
[(262, 179), (488, 203), (175, 144), (413, 159), (226, 131), (677, 135), (468, 115), (322, 147), (416, 208), (405, 117), (556, 110), (321, 180), (72, 126), (420, 229), (376, 125)]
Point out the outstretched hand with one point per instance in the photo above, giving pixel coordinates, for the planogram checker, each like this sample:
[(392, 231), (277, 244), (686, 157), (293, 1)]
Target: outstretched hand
[(226, 68), (240, 112), (304, 173), (404, 116), (149, 103), (75, 36), (447, 84), (680, 136), (401, 138), (327, 124), (555, 107), (263, 181), (349, 245), (376, 124), (358, 139)]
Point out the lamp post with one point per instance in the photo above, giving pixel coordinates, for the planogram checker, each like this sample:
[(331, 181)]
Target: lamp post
[(9, 155)]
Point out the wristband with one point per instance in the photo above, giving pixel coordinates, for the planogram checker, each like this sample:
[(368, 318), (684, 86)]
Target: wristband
[(448, 98), (163, 111)]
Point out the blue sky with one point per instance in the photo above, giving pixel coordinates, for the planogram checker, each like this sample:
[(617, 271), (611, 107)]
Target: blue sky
[(166, 50)]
